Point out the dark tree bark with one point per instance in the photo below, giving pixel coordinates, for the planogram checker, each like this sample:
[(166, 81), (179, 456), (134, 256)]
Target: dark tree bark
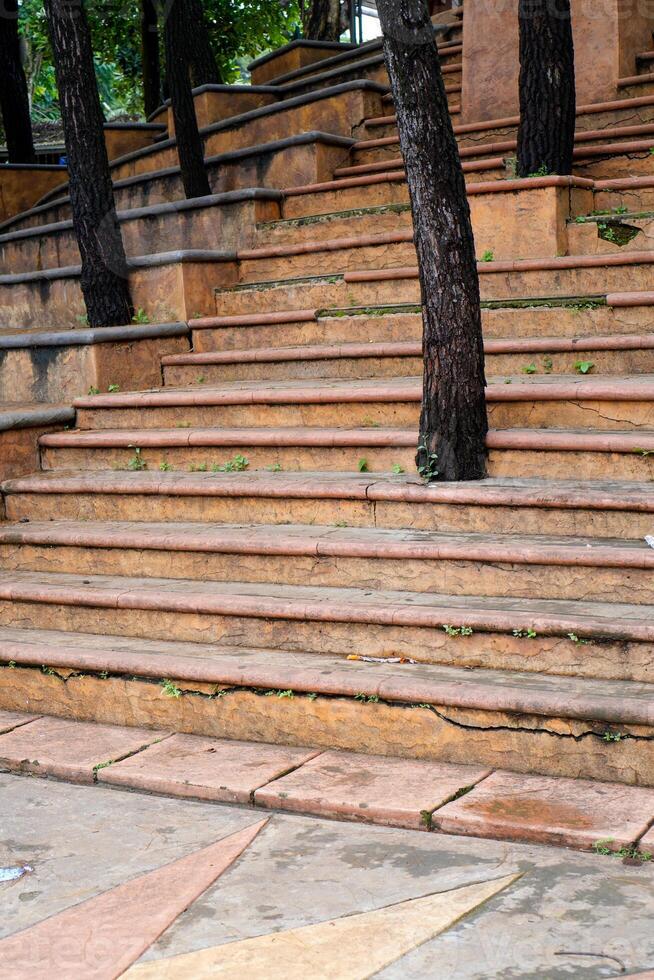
[(178, 37), (204, 67), (321, 19), (14, 101), (453, 422), (547, 88), (150, 57), (104, 266)]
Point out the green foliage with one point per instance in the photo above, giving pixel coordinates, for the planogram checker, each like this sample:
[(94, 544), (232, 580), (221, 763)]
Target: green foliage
[(235, 465), (584, 367), (239, 32)]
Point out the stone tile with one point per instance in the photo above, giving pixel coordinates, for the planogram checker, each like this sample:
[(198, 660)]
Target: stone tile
[(206, 768), (375, 789), (69, 749), (570, 812), (14, 719)]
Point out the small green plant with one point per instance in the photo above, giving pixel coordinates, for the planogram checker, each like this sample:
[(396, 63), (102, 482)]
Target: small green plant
[(631, 853), (644, 452), (362, 465), (312, 696), (137, 462), (548, 364), (610, 736), (528, 634), (140, 316), (275, 468), (11, 665), (237, 464), (577, 640), (367, 698), (165, 466), (201, 379), (543, 171), (397, 469), (48, 671), (488, 256), (529, 369), (340, 524), (113, 389), (170, 690), (458, 630), (82, 319), (93, 390), (198, 468), (584, 367), (429, 469)]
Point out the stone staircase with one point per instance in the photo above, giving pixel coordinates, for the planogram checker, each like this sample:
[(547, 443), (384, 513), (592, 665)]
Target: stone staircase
[(250, 523)]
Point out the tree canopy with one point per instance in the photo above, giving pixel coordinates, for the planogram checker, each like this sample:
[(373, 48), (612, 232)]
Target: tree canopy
[(239, 32)]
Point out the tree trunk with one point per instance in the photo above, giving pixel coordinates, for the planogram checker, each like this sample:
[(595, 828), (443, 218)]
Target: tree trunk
[(14, 100), (321, 20), (104, 266), (547, 88), (453, 421), (204, 67), (150, 57), (178, 37)]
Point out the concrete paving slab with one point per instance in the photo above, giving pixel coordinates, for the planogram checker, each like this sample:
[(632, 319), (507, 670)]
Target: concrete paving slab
[(302, 871), (69, 749), (205, 768), (100, 938), (393, 792), (570, 812)]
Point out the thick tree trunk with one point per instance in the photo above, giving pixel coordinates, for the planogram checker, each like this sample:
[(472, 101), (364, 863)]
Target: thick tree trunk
[(547, 88), (204, 67), (104, 267), (14, 100), (151, 70), (453, 422), (178, 37), (321, 20)]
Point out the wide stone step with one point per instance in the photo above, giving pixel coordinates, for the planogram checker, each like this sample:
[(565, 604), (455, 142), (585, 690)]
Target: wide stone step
[(531, 401), (597, 569), (414, 794), (403, 324), (572, 638), (597, 509), (548, 725), (513, 452), (531, 355), (577, 282)]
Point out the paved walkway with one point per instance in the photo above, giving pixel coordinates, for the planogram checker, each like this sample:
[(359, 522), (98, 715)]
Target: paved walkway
[(284, 895)]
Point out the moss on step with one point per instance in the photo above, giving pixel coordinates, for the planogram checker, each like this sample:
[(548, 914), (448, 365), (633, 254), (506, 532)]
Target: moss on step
[(315, 219)]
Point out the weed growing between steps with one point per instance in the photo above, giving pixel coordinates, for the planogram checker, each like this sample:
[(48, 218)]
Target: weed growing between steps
[(628, 854)]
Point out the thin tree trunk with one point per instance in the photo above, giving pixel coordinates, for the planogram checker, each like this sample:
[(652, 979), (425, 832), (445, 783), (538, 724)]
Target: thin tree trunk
[(150, 57), (321, 20), (204, 67), (178, 38), (453, 421), (104, 266), (547, 88), (14, 99)]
